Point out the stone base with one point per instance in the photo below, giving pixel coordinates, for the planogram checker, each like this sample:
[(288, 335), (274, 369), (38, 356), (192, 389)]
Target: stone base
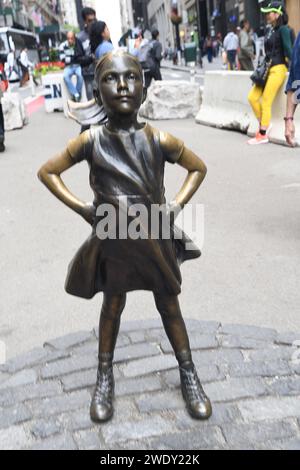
[(171, 100), (14, 111), (251, 375)]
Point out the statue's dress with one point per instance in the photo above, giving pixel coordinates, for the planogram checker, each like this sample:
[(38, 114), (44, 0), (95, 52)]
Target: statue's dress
[(127, 167)]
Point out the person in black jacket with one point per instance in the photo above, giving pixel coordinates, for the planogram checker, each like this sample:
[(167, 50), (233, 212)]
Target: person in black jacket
[(156, 54)]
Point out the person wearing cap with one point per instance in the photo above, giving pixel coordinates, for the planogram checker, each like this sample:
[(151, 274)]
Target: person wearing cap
[(278, 48), (293, 94)]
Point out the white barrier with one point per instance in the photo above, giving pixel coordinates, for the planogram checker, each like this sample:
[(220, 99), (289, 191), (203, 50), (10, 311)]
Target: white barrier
[(14, 111), (225, 105), (56, 92)]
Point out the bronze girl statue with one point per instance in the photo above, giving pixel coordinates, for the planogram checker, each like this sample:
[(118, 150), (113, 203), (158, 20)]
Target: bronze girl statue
[(126, 159)]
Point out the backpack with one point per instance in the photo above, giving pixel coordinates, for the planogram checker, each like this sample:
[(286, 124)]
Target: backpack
[(145, 56)]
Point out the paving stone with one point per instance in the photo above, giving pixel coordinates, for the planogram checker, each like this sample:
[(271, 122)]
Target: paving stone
[(217, 357), (56, 354), (73, 339), (295, 366), (256, 368), (14, 438), (137, 385), (235, 389), (149, 365), (197, 341), (61, 442), (14, 415), (135, 351), (23, 377), (271, 354), (137, 429), (91, 347), (206, 374), (288, 338), (83, 379), (155, 335), (202, 326), (78, 380), (241, 435), (222, 413), (270, 408), (122, 339), (167, 400), (137, 325), (26, 360), (44, 428), (67, 366), (192, 440), (78, 419), (285, 386), (242, 342), (292, 443), (60, 404), (88, 440), (125, 410), (249, 331), (11, 396), (137, 336)]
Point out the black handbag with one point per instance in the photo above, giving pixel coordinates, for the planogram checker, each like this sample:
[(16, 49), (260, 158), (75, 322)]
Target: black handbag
[(261, 73)]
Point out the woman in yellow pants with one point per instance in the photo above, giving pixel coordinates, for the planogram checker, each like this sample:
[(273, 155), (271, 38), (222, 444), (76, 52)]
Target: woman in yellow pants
[(278, 47)]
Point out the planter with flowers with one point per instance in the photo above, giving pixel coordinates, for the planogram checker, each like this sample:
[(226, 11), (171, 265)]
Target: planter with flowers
[(51, 75)]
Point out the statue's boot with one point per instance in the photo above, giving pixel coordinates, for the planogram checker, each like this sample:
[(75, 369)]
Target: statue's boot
[(101, 408), (197, 402)]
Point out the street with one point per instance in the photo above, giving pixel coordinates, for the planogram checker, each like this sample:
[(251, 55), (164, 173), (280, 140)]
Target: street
[(250, 267)]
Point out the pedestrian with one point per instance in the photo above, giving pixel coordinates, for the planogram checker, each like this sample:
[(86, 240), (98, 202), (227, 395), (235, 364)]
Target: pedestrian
[(10, 67), (208, 47), (100, 39), (69, 51), (278, 49), (149, 54), (293, 94), (3, 88), (86, 59), (246, 49), (127, 158), (156, 51), (231, 45), (24, 63)]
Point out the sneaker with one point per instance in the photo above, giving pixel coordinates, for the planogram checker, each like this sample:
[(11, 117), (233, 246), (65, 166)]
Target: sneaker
[(259, 139), (2, 147)]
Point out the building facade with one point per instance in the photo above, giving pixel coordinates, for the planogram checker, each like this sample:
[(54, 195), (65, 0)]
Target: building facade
[(69, 13)]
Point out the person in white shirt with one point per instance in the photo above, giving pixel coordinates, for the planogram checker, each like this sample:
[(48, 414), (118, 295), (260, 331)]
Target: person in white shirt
[(24, 63), (231, 45)]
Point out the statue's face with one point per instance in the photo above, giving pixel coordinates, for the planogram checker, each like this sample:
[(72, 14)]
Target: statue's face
[(120, 86)]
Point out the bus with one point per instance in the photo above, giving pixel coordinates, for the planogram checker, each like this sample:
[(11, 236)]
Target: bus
[(17, 39)]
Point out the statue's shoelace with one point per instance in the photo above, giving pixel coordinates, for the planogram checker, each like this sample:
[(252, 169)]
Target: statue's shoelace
[(104, 387), (192, 385)]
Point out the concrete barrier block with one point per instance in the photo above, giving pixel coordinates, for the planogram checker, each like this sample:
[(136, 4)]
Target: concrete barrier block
[(171, 99), (225, 105), (14, 111)]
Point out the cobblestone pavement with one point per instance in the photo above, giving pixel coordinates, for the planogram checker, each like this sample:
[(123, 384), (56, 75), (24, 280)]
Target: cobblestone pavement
[(251, 374)]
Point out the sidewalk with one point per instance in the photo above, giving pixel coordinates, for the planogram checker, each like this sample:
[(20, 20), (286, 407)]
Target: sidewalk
[(251, 374)]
